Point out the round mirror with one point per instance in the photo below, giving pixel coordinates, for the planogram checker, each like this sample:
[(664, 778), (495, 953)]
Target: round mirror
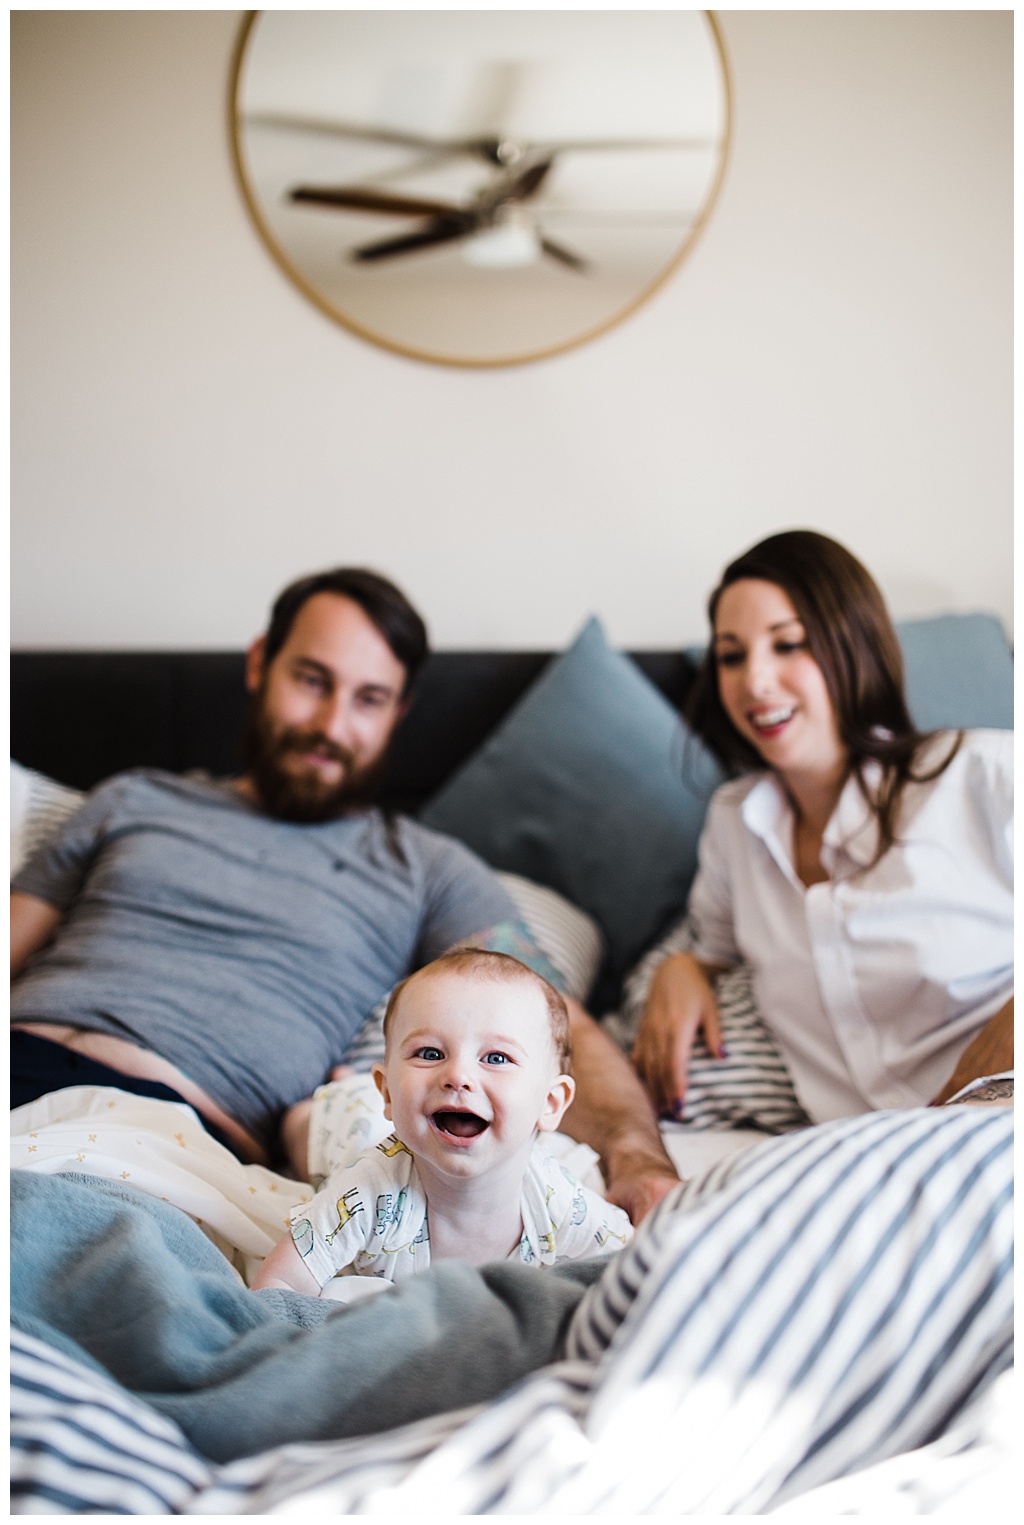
[(480, 187)]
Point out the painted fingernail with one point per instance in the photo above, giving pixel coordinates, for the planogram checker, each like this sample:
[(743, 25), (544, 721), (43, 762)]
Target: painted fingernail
[(677, 1108), (723, 1052)]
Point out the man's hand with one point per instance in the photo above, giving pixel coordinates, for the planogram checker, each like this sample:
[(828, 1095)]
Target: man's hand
[(639, 1193), (989, 1054)]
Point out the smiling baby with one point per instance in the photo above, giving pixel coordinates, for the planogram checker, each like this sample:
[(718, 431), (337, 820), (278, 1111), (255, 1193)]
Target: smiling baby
[(476, 1067)]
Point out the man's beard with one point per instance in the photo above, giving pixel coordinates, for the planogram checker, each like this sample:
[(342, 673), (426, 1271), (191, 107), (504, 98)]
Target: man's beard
[(303, 796)]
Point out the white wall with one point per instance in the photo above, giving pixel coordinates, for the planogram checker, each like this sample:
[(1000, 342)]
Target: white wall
[(188, 432)]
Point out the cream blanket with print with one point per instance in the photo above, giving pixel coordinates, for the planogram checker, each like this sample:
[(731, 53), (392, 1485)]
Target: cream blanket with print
[(161, 1148)]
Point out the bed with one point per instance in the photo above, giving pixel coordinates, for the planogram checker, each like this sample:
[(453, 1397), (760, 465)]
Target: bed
[(851, 1355)]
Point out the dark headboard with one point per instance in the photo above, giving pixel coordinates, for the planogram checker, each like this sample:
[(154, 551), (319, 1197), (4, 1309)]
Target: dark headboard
[(80, 716)]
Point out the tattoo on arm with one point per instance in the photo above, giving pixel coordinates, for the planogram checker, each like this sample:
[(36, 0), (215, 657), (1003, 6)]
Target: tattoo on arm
[(515, 938), (992, 1090)]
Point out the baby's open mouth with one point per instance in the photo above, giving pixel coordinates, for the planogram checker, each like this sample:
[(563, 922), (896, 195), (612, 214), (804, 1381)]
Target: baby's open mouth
[(459, 1124)]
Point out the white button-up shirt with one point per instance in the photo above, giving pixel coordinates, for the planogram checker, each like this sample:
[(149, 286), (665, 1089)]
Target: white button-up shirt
[(874, 981)]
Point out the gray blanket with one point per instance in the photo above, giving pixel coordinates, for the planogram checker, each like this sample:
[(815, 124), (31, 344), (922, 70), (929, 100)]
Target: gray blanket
[(133, 1287)]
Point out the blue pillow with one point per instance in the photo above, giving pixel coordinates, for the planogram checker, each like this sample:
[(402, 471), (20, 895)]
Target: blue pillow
[(593, 786), (959, 671)]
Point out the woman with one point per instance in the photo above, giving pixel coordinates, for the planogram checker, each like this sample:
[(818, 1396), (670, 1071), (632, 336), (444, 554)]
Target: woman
[(864, 870)]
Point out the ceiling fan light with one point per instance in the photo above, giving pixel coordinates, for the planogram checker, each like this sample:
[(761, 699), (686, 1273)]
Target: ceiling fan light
[(509, 246)]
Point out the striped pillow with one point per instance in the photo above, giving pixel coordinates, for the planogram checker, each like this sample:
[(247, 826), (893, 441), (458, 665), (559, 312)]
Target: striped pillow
[(568, 936), (751, 1087), (39, 808)]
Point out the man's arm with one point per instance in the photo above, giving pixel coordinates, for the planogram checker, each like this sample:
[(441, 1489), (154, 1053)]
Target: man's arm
[(613, 1114), (33, 923), (989, 1053)]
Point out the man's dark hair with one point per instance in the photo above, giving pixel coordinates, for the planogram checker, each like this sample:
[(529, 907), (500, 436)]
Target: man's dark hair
[(384, 605)]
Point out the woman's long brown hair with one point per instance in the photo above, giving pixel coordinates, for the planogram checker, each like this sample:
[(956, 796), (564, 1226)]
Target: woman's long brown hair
[(852, 639)]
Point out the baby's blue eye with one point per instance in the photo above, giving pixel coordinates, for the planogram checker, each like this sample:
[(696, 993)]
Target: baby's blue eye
[(496, 1057), (429, 1053)]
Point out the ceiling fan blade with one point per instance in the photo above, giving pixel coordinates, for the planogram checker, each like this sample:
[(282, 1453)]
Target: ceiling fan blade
[(564, 256), (354, 198), (296, 122), (485, 147), (529, 182), (442, 231), (615, 145)]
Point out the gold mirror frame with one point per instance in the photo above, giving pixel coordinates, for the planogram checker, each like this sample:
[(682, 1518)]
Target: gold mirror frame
[(281, 221)]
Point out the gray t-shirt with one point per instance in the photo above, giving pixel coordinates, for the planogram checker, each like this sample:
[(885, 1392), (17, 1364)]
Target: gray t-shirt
[(246, 950)]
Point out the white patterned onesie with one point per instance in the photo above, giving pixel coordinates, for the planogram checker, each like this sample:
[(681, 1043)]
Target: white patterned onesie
[(370, 1219)]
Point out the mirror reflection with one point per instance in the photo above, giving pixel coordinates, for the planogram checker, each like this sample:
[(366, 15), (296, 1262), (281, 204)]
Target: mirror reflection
[(480, 187)]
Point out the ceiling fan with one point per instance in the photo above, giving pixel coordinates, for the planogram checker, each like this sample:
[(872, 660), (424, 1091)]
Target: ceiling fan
[(497, 227), (496, 224)]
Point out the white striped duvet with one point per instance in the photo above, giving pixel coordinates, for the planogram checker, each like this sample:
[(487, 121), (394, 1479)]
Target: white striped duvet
[(809, 1309)]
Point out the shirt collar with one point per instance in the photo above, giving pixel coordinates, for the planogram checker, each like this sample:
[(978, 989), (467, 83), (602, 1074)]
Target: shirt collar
[(766, 812), (851, 835)]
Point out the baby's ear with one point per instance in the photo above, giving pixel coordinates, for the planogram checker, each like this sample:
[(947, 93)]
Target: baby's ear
[(557, 1103), (380, 1080)]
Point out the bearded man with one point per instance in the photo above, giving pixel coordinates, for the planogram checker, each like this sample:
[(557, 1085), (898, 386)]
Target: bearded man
[(221, 942)]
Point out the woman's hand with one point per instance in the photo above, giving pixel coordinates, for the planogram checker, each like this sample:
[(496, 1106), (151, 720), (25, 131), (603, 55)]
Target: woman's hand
[(681, 1003)]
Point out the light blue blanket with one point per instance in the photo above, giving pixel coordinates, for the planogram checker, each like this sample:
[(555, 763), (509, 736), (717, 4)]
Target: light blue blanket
[(132, 1286)]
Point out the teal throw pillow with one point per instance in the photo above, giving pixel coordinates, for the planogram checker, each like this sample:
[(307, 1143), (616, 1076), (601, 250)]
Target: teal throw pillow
[(959, 672), (593, 786)]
